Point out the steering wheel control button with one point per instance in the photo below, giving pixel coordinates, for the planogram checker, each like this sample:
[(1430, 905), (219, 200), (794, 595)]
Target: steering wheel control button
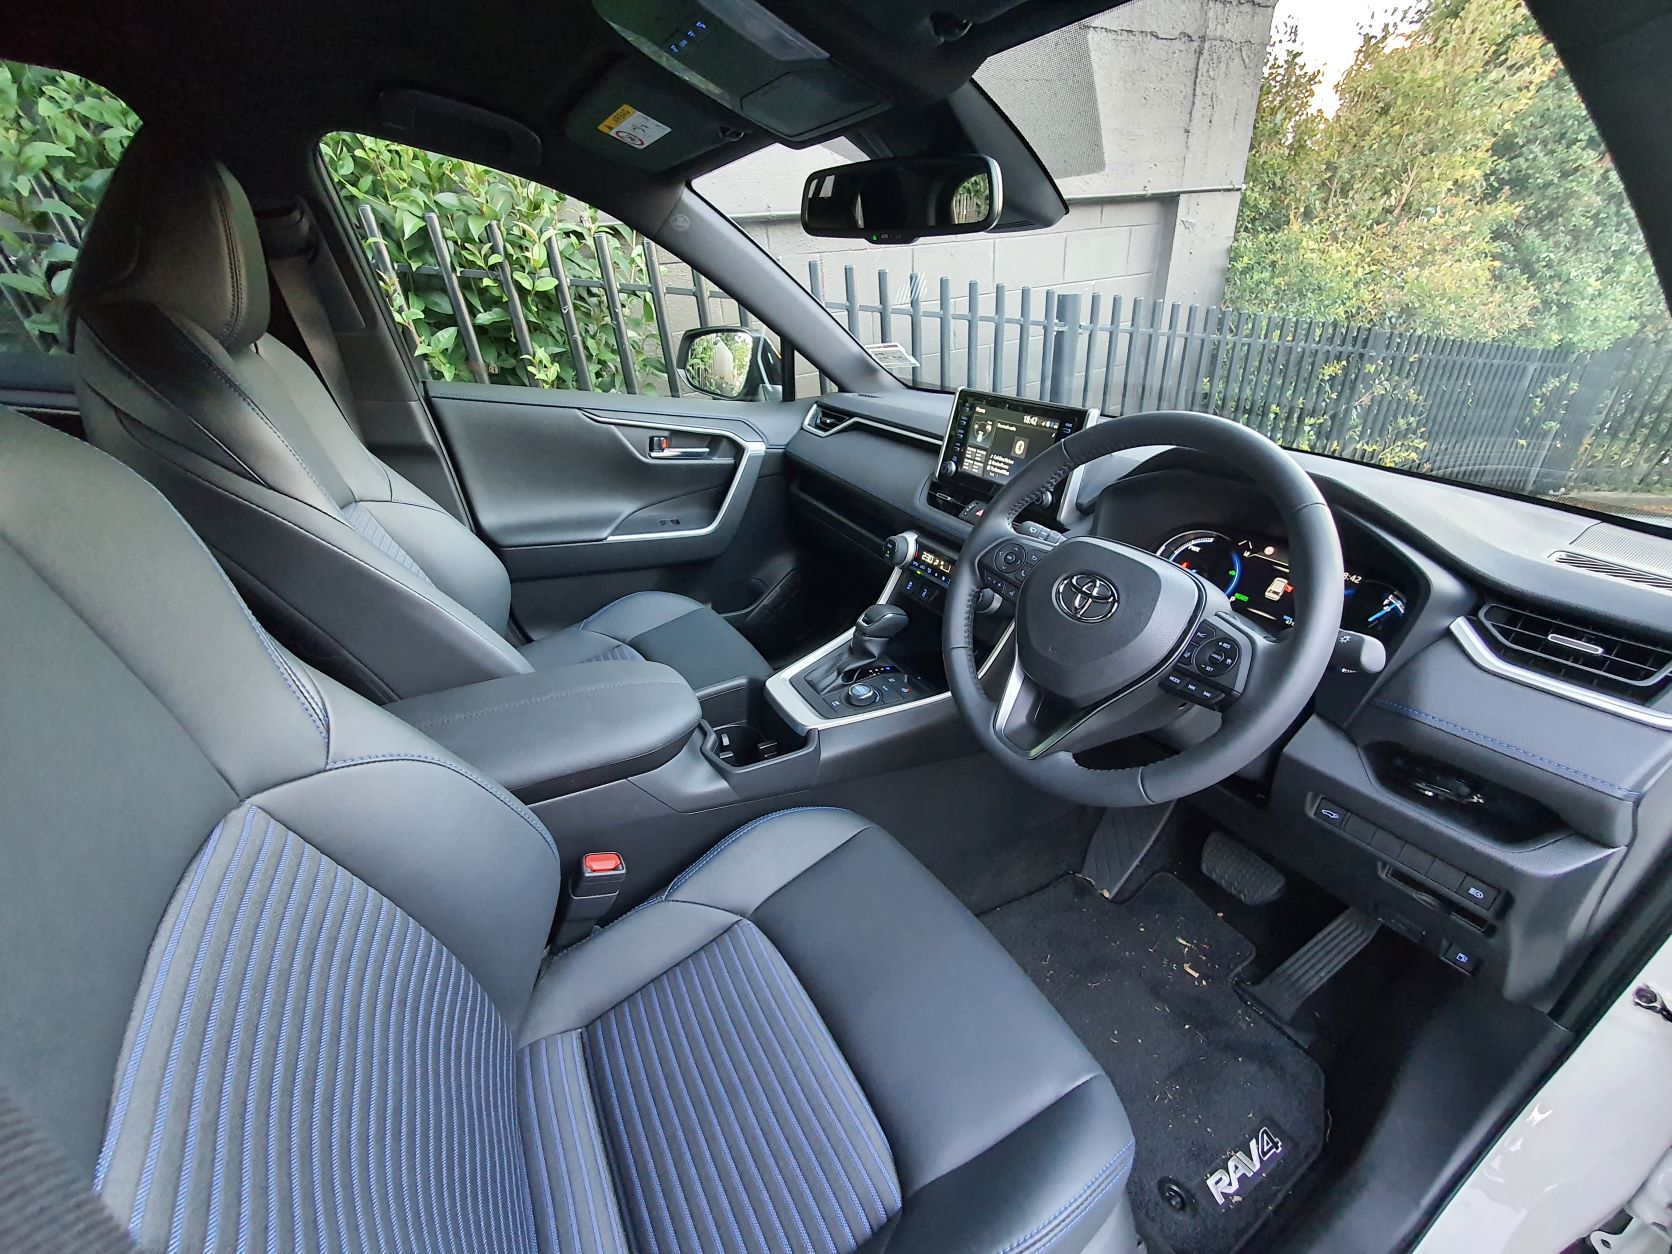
[(1087, 598), (1203, 632), (862, 695), (1184, 684), (1217, 656), (1010, 557)]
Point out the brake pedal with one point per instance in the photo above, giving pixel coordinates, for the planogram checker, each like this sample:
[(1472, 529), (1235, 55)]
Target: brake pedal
[(1241, 872), (1314, 964)]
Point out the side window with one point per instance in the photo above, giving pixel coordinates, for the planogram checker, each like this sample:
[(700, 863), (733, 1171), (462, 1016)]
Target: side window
[(496, 279), (60, 137)]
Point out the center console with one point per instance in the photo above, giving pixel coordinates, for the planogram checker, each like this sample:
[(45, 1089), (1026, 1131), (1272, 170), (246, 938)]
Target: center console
[(892, 658), (988, 439)]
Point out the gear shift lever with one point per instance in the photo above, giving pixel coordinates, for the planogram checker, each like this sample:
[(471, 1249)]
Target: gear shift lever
[(871, 634)]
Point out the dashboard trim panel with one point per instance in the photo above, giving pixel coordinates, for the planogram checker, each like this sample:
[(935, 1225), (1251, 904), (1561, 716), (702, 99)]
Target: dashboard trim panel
[(854, 420), (1463, 631)]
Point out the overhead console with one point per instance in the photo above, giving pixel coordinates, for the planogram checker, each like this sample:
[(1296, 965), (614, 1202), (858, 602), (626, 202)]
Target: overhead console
[(989, 439)]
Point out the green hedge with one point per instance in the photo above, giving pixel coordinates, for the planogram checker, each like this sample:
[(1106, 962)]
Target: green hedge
[(60, 137)]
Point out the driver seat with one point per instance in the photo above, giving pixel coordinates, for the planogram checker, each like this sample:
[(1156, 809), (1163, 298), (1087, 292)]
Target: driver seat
[(278, 978)]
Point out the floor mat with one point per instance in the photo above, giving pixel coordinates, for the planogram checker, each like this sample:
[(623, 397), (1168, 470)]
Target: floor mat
[(1228, 1112)]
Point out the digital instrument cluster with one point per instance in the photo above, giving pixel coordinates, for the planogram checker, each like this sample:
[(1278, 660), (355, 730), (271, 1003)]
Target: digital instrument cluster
[(1254, 572)]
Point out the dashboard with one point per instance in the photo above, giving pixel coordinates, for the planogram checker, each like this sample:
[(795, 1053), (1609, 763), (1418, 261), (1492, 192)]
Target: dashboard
[(1493, 794)]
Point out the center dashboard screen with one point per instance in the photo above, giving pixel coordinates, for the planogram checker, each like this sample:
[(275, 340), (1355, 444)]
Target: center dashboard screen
[(991, 436)]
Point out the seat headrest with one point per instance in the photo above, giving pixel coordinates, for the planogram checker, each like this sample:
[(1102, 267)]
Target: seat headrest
[(174, 229)]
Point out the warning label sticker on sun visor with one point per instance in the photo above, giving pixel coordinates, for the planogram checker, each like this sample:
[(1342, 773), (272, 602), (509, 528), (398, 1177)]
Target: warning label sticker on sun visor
[(635, 129)]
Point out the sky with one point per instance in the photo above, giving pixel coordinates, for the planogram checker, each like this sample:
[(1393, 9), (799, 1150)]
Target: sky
[(1329, 34)]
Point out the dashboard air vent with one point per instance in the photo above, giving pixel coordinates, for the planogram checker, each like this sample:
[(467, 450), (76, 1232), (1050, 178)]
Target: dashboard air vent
[(824, 419), (1613, 570), (1578, 653)]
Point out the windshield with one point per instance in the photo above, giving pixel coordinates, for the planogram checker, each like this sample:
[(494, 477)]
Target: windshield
[(1369, 231)]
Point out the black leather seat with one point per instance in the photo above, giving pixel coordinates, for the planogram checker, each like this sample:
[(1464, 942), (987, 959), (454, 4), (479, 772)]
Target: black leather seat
[(352, 565), (275, 973)]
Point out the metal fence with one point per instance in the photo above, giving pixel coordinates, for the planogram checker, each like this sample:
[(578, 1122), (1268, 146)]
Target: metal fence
[(1525, 419), (1530, 420)]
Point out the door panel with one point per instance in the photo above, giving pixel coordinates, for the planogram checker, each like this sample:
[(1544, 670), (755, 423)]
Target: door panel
[(588, 496)]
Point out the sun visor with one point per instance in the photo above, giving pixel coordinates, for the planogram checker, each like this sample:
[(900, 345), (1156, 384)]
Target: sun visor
[(742, 56), (636, 117)]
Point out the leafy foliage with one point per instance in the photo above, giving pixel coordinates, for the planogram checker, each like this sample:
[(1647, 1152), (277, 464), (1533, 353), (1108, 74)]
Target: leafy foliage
[(400, 185), (60, 136), (1458, 188)]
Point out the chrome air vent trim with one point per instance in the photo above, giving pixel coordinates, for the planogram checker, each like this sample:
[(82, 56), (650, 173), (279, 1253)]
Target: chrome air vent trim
[(811, 424), (1466, 635)]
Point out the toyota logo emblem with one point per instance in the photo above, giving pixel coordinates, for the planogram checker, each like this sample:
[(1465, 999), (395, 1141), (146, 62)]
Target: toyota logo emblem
[(1086, 598)]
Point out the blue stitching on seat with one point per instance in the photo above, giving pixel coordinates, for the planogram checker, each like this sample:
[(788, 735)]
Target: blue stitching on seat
[(494, 789), (754, 945), (119, 1108), (677, 976), (165, 1091), (1107, 1175), (1526, 755), (747, 827)]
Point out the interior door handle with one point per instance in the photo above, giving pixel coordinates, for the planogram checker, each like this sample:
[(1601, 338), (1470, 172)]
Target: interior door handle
[(663, 449)]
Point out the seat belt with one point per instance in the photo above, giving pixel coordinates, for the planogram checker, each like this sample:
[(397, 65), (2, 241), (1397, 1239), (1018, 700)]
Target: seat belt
[(291, 245), (45, 1207)]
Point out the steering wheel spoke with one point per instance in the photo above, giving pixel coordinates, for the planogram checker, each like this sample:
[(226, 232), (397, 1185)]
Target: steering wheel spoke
[(1029, 721)]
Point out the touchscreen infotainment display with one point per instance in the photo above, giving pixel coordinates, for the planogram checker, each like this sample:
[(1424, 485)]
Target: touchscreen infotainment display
[(991, 436)]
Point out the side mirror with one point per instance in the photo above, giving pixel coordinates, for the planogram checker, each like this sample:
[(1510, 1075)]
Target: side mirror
[(732, 363), (898, 200)]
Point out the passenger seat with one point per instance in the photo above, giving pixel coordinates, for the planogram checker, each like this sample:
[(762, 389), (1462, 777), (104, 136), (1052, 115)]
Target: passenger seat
[(352, 566)]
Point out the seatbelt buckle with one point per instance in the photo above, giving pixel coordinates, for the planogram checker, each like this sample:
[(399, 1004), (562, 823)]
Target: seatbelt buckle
[(593, 886), (599, 875)]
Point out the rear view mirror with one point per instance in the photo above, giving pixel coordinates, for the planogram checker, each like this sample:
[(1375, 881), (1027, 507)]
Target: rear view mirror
[(732, 363), (903, 198)]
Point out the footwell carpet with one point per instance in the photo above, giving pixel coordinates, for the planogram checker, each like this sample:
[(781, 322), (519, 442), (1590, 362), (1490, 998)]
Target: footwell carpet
[(1227, 1110)]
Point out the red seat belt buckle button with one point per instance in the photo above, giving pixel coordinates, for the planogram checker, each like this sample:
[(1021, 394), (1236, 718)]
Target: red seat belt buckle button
[(602, 864)]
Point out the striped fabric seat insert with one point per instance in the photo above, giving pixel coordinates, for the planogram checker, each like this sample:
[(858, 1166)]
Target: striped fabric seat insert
[(366, 523), (720, 1106), (307, 1068)]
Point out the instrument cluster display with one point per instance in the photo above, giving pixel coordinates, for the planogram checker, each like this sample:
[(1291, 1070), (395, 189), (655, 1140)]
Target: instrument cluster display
[(1254, 572)]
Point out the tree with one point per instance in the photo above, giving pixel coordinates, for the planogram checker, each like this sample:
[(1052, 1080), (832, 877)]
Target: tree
[(1458, 188)]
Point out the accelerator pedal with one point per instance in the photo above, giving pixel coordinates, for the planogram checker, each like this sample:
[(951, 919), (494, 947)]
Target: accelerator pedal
[(1241, 872), (1314, 964), (1118, 845)]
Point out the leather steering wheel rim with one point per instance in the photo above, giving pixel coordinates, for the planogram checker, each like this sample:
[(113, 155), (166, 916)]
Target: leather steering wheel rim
[(1287, 671)]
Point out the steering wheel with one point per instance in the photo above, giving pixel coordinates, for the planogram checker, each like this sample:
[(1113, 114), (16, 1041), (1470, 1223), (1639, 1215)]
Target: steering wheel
[(1111, 641)]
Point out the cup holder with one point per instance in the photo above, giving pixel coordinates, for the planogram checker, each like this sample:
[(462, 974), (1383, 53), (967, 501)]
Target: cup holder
[(744, 731)]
